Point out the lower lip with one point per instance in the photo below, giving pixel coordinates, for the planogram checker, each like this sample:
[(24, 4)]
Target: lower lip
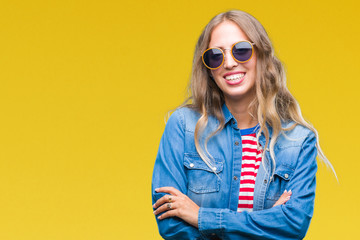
[(235, 82)]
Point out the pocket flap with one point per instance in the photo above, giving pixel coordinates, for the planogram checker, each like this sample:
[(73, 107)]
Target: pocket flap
[(284, 172), (192, 161)]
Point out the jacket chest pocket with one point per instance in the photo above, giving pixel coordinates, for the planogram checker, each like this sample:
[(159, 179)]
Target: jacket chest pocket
[(201, 178), (278, 184)]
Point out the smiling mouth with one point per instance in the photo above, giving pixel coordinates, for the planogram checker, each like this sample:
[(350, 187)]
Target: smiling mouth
[(235, 77)]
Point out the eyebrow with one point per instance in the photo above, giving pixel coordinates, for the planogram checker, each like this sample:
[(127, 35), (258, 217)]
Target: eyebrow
[(222, 48), (219, 47), (233, 44)]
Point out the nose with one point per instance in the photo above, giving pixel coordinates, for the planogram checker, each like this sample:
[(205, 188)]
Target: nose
[(229, 61)]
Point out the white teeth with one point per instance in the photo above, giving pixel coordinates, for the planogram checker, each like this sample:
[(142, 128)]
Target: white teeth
[(235, 76)]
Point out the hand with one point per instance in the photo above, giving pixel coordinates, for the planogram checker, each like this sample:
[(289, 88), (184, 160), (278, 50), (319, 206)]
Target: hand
[(283, 198), (176, 204)]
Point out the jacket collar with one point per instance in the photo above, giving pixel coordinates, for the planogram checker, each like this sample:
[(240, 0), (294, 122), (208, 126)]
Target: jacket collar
[(228, 117), (227, 114)]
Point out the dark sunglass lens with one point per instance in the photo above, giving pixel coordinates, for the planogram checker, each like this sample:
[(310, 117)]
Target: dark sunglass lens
[(242, 51), (213, 58)]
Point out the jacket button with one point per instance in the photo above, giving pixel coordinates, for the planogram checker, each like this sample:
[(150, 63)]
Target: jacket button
[(192, 165), (265, 181), (235, 178), (286, 175), (236, 143), (214, 168)]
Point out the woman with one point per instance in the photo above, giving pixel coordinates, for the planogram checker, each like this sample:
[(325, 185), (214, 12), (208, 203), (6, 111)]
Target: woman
[(227, 159)]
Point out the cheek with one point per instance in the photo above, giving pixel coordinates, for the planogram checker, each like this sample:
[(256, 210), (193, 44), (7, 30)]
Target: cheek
[(252, 73), (216, 75), (219, 82), (252, 69), (253, 63)]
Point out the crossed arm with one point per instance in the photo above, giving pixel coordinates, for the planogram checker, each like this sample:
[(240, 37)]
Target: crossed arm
[(177, 204), (183, 219)]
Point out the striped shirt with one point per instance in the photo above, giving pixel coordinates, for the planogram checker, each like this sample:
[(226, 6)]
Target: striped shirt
[(251, 159)]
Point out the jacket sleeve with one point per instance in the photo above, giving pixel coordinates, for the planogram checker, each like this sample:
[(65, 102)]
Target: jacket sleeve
[(289, 221), (169, 172)]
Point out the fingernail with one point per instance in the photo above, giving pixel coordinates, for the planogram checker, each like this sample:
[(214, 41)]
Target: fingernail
[(159, 217), (156, 189), (285, 191), (289, 191)]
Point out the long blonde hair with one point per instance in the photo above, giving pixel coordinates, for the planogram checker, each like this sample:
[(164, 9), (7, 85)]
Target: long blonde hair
[(273, 102)]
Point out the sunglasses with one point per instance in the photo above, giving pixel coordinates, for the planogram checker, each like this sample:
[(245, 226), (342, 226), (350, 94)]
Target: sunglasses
[(241, 51)]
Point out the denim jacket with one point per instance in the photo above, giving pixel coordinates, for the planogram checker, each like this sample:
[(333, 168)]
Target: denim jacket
[(179, 165)]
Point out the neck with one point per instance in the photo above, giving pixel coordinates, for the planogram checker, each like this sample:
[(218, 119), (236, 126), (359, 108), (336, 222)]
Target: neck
[(241, 113)]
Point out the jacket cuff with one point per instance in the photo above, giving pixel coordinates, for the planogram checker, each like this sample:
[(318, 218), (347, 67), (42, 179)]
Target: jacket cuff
[(209, 222)]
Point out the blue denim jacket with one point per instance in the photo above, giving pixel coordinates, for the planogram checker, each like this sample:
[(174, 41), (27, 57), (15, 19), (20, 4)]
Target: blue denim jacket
[(179, 165)]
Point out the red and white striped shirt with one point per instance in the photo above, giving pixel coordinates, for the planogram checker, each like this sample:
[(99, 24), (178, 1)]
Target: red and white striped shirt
[(251, 159)]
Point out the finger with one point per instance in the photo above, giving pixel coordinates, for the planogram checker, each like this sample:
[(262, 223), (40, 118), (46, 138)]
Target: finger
[(286, 196), (281, 201), (283, 198), (170, 190), (171, 213), (164, 199), (286, 193), (165, 207), (286, 199)]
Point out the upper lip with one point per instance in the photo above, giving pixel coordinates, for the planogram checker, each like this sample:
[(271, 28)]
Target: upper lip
[(232, 73)]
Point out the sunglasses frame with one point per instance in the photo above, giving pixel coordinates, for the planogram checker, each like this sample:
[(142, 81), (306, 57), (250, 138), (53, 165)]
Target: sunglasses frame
[(223, 53)]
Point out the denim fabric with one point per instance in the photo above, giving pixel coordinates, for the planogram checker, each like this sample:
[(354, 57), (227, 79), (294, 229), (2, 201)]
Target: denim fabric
[(179, 165)]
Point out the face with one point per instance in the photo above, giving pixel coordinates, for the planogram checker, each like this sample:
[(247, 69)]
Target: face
[(236, 80)]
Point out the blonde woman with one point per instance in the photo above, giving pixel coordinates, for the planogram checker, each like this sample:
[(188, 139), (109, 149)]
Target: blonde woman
[(230, 160)]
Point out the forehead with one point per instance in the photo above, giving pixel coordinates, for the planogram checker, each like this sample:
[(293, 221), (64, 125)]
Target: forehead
[(226, 34)]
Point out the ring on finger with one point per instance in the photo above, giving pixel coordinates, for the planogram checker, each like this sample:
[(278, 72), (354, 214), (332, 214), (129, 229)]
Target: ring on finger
[(170, 199), (169, 206)]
